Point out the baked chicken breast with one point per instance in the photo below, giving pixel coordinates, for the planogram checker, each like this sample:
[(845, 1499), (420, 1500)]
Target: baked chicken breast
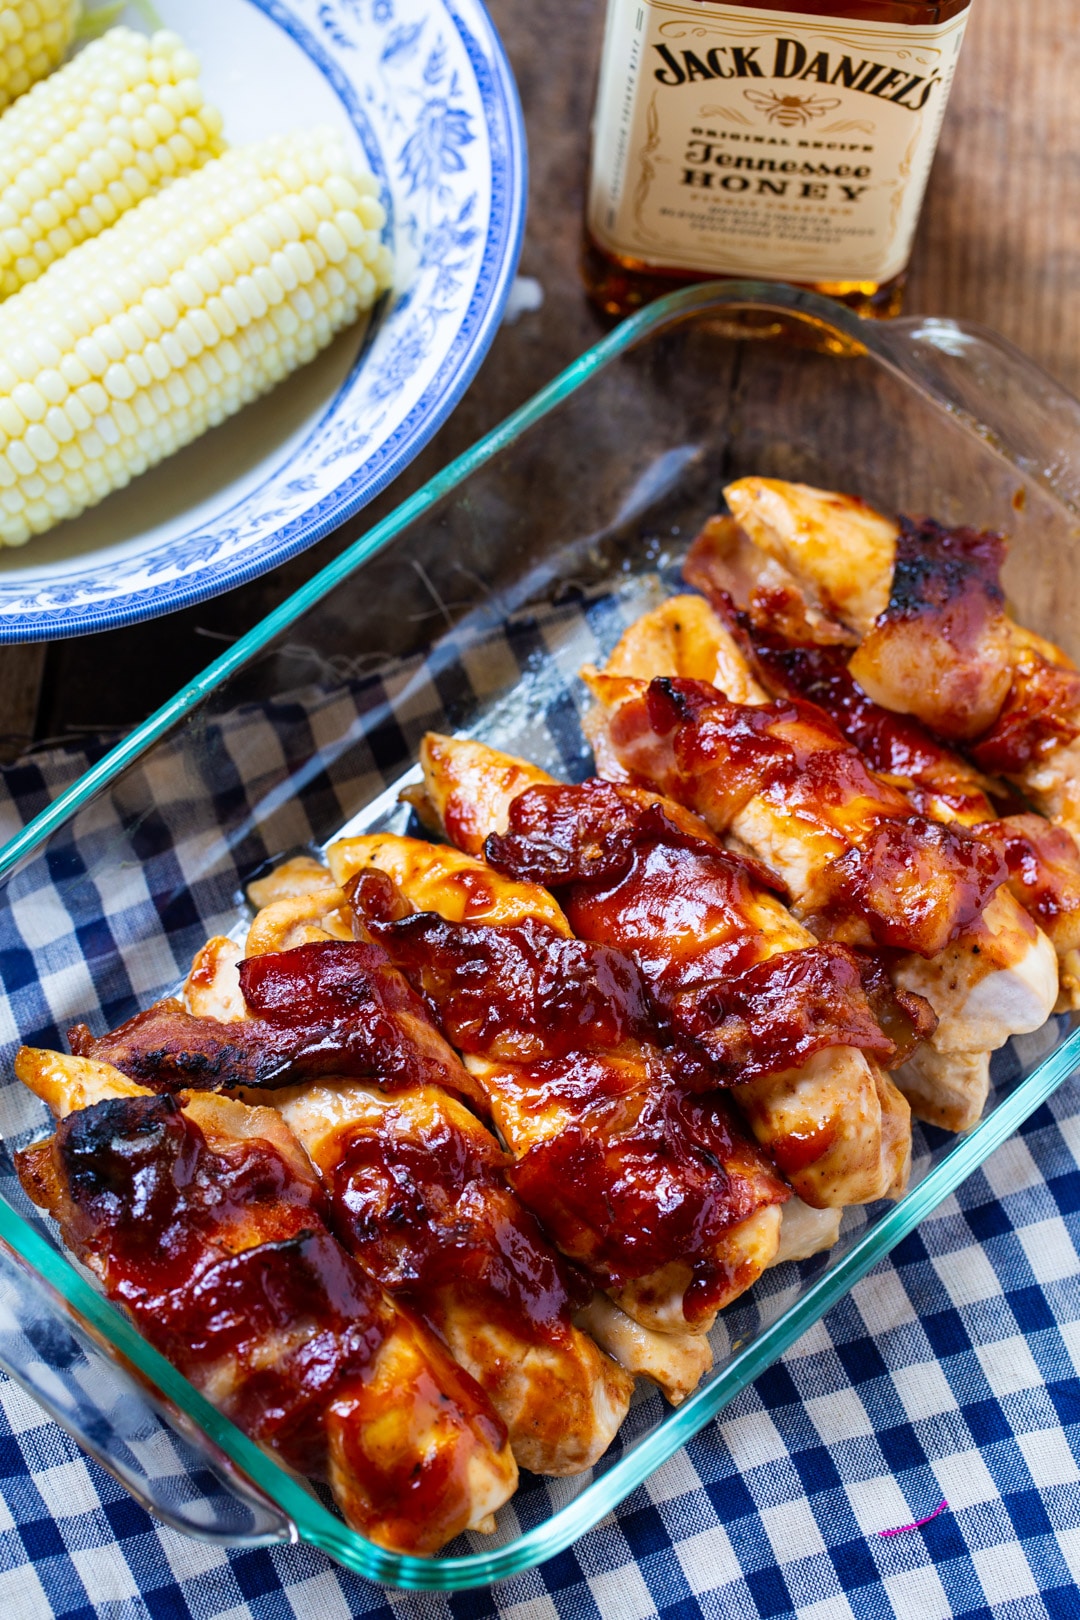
[(418, 1191), (658, 1195), (861, 865), (205, 1220), (695, 917), (932, 635)]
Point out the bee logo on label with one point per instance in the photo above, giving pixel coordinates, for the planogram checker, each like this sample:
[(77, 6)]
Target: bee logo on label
[(790, 112)]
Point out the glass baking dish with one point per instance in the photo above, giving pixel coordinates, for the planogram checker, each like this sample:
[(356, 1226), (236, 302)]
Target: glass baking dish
[(471, 606)]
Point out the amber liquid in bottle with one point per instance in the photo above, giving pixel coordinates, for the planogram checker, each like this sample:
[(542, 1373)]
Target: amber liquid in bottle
[(657, 159)]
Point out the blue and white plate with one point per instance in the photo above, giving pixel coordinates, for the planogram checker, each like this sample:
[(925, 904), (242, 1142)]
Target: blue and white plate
[(423, 91)]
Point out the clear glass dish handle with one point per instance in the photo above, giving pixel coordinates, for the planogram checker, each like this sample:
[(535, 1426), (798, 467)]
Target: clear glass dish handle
[(1015, 406), (143, 1441)]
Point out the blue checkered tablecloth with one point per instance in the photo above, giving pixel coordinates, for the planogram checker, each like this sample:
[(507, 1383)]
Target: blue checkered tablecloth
[(952, 1370)]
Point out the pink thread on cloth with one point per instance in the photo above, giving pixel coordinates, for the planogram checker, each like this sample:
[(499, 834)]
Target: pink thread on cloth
[(900, 1528)]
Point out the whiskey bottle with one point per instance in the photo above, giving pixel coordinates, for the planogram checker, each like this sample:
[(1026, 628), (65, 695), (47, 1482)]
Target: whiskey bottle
[(788, 143)]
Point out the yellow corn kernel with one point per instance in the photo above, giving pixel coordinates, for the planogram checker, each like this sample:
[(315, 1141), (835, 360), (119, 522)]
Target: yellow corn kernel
[(89, 143), (34, 34), (120, 353)]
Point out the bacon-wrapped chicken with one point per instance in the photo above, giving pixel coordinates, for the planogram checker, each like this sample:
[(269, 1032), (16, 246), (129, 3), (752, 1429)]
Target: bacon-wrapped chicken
[(418, 1195), (646, 877), (656, 1193), (205, 1220), (933, 638), (441, 1223), (860, 863), (774, 626), (334, 1007)]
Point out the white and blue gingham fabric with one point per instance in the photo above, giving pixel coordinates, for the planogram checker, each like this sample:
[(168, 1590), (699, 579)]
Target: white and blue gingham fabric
[(952, 1370)]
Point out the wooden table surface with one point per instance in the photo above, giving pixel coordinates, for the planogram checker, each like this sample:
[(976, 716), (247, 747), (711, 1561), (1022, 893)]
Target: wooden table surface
[(999, 243)]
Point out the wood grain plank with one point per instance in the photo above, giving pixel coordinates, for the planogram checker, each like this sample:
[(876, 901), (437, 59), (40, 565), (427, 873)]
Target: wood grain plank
[(1000, 235), (21, 672)]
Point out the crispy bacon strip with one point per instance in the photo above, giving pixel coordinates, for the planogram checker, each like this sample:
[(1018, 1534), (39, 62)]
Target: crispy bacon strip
[(938, 782), (328, 1007), (1039, 718), (750, 1013), (940, 650), (904, 1016), (592, 832), (945, 651), (780, 1013), (222, 1256), (691, 914), (646, 1181), (1043, 863), (563, 995)]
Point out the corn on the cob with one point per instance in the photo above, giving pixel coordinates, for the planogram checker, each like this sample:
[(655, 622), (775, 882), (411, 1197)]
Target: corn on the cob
[(34, 34), (93, 140), (195, 302)]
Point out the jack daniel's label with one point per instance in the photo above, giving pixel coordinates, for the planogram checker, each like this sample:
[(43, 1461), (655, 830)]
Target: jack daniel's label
[(741, 142)]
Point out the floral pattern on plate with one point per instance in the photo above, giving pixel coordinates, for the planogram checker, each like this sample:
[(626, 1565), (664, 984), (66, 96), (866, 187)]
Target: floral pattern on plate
[(428, 96)]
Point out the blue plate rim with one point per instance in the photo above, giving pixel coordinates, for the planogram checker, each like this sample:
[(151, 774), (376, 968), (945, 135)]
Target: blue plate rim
[(498, 93)]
